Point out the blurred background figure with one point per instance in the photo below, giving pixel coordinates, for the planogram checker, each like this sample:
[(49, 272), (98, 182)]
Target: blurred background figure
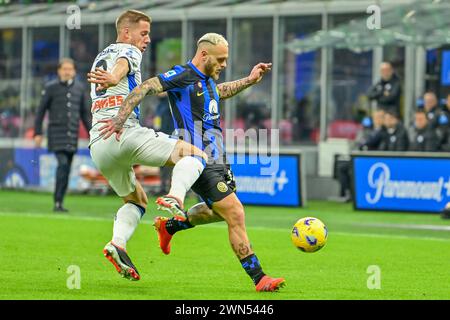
[(253, 113), (65, 101), (446, 109), (443, 126), (373, 131), (369, 138), (387, 91), (422, 137), (396, 137), (431, 107)]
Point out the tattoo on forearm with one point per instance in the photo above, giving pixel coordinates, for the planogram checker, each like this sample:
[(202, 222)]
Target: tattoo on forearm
[(149, 87), (229, 89)]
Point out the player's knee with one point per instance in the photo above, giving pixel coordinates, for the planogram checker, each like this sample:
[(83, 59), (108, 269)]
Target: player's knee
[(199, 153), (137, 197), (143, 199), (191, 150)]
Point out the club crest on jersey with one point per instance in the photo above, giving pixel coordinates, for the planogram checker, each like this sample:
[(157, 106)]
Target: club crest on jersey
[(213, 113), (222, 187), (199, 84)]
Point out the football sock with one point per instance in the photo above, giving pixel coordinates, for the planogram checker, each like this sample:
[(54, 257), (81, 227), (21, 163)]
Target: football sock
[(125, 222), (174, 225), (185, 173), (253, 268)]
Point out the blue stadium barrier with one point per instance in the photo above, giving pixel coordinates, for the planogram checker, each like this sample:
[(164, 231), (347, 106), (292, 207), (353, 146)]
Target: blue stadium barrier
[(401, 181)]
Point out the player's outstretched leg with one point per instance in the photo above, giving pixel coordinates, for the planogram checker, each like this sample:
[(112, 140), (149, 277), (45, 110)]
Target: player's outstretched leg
[(196, 215), (163, 236), (231, 209), (233, 212), (189, 163), (121, 261), (125, 223), (171, 204)]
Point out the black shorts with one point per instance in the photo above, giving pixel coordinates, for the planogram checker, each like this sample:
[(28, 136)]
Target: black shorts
[(215, 183)]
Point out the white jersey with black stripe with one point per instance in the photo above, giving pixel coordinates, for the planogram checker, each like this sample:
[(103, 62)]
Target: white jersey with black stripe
[(105, 104)]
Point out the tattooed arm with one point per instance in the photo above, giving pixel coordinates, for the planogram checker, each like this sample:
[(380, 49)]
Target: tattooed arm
[(230, 89), (149, 87)]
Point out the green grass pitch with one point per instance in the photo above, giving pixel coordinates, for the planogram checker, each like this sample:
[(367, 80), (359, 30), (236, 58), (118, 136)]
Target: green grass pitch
[(37, 247)]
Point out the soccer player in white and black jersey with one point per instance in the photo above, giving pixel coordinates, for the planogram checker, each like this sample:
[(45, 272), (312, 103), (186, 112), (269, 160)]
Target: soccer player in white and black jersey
[(114, 74)]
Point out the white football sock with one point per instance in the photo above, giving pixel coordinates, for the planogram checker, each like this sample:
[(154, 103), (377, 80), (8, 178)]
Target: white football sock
[(184, 175), (125, 222)]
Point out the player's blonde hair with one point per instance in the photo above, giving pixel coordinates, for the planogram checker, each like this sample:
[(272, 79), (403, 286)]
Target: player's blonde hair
[(131, 17), (212, 38)]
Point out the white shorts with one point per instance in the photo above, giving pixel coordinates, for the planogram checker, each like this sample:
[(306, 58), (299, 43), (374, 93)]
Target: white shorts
[(137, 145)]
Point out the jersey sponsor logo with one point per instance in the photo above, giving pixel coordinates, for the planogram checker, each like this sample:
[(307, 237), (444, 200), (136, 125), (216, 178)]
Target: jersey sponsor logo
[(222, 187), (213, 111), (106, 51), (213, 107), (110, 102), (200, 93), (170, 73)]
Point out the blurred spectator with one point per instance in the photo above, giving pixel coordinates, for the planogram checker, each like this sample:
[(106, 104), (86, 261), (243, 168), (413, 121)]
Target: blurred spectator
[(443, 127), (369, 138), (9, 109), (422, 136), (386, 92), (431, 107), (65, 101), (396, 137), (253, 113), (373, 131), (446, 108)]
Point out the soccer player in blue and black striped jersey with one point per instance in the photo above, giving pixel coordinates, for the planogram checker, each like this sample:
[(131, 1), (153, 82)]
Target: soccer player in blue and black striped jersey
[(194, 100)]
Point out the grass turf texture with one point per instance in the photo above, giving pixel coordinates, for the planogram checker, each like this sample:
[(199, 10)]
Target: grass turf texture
[(37, 246)]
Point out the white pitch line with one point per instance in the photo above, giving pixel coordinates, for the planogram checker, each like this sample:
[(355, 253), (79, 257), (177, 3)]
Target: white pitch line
[(405, 226), (354, 234)]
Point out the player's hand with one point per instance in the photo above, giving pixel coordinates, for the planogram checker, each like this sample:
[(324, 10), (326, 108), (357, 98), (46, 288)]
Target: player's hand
[(258, 71), (102, 78), (111, 126), (38, 141)]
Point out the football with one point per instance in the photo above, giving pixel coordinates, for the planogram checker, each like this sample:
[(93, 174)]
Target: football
[(309, 234)]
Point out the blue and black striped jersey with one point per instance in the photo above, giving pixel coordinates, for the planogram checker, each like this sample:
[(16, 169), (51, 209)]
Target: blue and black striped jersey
[(194, 103)]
